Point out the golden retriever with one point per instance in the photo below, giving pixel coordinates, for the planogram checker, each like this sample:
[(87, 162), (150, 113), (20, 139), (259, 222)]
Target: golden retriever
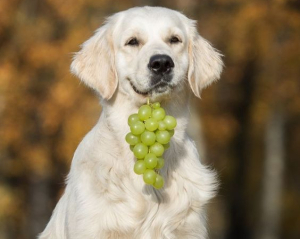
[(144, 52)]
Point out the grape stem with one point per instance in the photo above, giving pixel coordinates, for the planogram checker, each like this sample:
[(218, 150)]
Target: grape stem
[(148, 101)]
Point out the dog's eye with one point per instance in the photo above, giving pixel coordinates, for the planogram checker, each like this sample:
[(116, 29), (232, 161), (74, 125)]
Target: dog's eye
[(133, 42), (174, 40)]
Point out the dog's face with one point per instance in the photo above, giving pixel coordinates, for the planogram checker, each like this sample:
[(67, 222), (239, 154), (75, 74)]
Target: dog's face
[(149, 52)]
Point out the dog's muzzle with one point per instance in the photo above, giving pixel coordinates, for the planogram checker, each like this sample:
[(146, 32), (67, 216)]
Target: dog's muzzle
[(161, 67)]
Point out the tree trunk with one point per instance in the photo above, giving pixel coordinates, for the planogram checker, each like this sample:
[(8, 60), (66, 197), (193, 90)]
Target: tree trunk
[(273, 177)]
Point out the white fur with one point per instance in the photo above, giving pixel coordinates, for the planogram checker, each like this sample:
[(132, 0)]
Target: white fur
[(104, 198)]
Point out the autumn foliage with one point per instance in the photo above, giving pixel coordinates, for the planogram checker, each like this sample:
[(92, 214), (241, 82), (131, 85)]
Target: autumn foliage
[(45, 111)]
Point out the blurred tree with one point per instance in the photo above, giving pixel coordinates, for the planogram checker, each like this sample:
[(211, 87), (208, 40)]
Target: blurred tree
[(273, 177)]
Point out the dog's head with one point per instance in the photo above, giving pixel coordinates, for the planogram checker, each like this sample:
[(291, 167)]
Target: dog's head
[(147, 52)]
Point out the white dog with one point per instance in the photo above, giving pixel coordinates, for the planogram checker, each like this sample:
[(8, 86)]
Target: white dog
[(139, 53)]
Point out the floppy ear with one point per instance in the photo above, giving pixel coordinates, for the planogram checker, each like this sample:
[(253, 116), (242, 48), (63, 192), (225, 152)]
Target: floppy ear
[(205, 63), (94, 63)]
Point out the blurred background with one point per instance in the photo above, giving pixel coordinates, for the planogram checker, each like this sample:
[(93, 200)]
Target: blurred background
[(247, 125)]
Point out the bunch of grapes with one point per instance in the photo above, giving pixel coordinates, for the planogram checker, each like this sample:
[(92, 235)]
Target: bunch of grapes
[(150, 133)]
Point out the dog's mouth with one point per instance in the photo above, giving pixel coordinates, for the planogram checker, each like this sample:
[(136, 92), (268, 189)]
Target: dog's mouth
[(160, 87), (138, 91)]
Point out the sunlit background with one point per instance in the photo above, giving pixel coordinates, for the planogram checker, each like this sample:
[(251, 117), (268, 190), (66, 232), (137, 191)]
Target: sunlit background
[(247, 125)]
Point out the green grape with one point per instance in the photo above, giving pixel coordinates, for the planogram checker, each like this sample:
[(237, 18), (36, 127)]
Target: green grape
[(144, 112), (131, 147), (170, 122), (133, 118), (160, 163), (162, 125), (166, 146), (171, 132), (150, 161), (132, 139), (159, 182), (158, 114), (156, 105), (148, 138), (163, 137), (157, 149), (139, 167), (149, 176), (137, 128), (151, 124), (140, 150)]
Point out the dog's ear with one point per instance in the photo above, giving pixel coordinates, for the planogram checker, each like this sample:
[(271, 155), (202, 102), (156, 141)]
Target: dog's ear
[(205, 64), (94, 63)]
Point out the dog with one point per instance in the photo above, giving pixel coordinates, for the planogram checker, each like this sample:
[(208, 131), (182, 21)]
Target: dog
[(142, 53)]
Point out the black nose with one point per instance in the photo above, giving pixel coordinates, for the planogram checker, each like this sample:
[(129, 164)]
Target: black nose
[(161, 64)]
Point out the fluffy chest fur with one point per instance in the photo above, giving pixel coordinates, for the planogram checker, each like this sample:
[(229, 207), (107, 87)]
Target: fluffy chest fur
[(112, 198)]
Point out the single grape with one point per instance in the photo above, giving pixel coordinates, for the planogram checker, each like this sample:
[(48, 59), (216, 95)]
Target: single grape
[(171, 132), (149, 176), (137, 128), (144, 112), (162, 125), (156, 105), (148, 138), (157, 149), (166, 146), (158, 114), (140, 150), (133, 118), (163, 137), (159, 182), (139, 167), (151, 124), (170, 122), (160, 163), (132, 139), (150, 161)]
